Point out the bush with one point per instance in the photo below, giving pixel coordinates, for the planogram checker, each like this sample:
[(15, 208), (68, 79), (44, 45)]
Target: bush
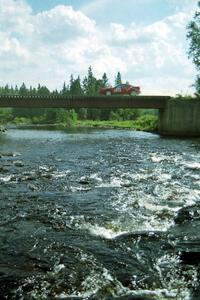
[(146, 123), (22, 120), (66, 117), (5, 115)]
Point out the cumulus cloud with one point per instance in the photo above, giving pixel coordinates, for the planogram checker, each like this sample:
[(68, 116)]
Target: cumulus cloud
[(47, 47), (62, 23)]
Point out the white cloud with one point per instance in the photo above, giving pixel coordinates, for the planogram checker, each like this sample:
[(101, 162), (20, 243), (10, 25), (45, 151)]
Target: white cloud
[(62, 23), (15, 17), (49, 46)]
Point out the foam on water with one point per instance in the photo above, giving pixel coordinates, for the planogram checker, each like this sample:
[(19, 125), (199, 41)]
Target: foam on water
[(170, 158), (103, 232), (6, 178), (192, 165)]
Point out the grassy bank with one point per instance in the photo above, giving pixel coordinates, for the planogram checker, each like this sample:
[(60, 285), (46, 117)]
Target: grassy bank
[(69, 119), (143, 123)]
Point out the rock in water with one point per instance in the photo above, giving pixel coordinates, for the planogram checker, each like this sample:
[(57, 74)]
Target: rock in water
[(187, 214), (2, 129)]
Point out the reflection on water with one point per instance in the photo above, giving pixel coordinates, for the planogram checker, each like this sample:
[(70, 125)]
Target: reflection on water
[(98, 214)]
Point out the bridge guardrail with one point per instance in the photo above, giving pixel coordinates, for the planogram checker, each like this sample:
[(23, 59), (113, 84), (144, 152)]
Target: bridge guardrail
[(151, 101)]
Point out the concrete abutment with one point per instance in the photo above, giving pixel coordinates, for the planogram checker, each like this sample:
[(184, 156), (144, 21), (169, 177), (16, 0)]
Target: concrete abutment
[(180, 118)]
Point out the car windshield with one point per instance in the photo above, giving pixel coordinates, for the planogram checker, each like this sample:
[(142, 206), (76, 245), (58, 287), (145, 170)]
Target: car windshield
[(121, 85)]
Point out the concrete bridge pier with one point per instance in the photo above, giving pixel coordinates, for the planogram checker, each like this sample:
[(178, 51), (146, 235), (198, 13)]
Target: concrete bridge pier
[(180, 118)]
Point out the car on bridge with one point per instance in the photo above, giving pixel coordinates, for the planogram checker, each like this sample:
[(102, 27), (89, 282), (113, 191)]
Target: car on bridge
[(120, 89)]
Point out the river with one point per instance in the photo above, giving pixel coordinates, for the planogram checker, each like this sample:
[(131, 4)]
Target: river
[(99, 214)]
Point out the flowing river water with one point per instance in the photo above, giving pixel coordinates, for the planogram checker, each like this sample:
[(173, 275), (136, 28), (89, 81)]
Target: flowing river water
[(99, 214)]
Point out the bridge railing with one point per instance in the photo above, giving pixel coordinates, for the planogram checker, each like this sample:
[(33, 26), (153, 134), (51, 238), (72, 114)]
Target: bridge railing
[(156, 102)]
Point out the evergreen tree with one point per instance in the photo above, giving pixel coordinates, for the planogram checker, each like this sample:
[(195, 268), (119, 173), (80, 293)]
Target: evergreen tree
[(6, 89), (89, 83), (78, 87), (65, 90), (71, 84), (42, 91), (118, 79), (23, 91), (32, 91), (105, 80), (85, 85), (12, 91), (75, 86), (55, 93), (16, 90)]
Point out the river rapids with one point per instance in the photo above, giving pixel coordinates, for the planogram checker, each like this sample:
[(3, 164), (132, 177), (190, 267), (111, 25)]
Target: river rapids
[(99, 214)]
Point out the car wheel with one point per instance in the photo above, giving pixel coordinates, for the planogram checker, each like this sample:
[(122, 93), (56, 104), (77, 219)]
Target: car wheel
[(108, 93)]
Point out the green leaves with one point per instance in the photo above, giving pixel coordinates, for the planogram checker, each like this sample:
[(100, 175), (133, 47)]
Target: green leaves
[(193, 35)]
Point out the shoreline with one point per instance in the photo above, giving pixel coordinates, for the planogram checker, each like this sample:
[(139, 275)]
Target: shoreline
[(86, 124)]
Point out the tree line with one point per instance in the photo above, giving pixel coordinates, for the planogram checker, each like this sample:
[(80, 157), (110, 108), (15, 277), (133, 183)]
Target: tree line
[(89, 86)]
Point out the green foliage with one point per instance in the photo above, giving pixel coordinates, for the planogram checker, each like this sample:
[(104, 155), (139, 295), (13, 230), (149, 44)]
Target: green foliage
[(75, 86), (118, 79), (193, 36), (5, 115), (105, 80), (124, 114), (146, 123), (22, 120), (66, 117), (89, 83), (42, 91), (65, 90), (115, 118)]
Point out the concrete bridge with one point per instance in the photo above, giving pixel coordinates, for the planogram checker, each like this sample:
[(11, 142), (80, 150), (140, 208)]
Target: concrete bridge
[(177, 117)]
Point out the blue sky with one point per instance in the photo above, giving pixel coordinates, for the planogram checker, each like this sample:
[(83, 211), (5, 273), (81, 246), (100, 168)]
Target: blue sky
[(143, 11), (45, 41)]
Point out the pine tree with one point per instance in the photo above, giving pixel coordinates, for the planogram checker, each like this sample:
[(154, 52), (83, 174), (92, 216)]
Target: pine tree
[(89, 83), (23, 90), (75, 86), (6, 89), (118, 79), (16, 90), (105, 80), (71, 84), (65, 90)]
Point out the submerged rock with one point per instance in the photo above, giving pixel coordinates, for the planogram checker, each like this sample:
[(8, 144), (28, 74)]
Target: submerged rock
[(18, 163), (187, 214), (11, 154)]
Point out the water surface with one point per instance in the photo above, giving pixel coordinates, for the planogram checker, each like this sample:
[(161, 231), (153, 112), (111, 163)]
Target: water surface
[(107, 214)]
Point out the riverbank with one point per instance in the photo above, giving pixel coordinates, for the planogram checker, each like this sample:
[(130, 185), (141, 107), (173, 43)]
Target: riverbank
[(143, 123)]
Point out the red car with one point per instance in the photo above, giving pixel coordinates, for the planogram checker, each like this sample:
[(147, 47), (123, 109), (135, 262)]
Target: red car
[(121, 89)]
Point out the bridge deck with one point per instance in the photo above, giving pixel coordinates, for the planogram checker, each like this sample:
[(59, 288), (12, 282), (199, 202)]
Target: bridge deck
[(84, 101)]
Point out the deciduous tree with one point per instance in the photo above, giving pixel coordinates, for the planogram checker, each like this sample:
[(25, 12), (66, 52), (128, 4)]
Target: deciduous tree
[(193, 36)]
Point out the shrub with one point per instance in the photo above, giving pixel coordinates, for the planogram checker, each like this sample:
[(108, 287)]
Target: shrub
[(146, 123)]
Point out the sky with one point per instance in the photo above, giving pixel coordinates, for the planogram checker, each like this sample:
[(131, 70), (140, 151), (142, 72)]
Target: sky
[(45, 41)]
